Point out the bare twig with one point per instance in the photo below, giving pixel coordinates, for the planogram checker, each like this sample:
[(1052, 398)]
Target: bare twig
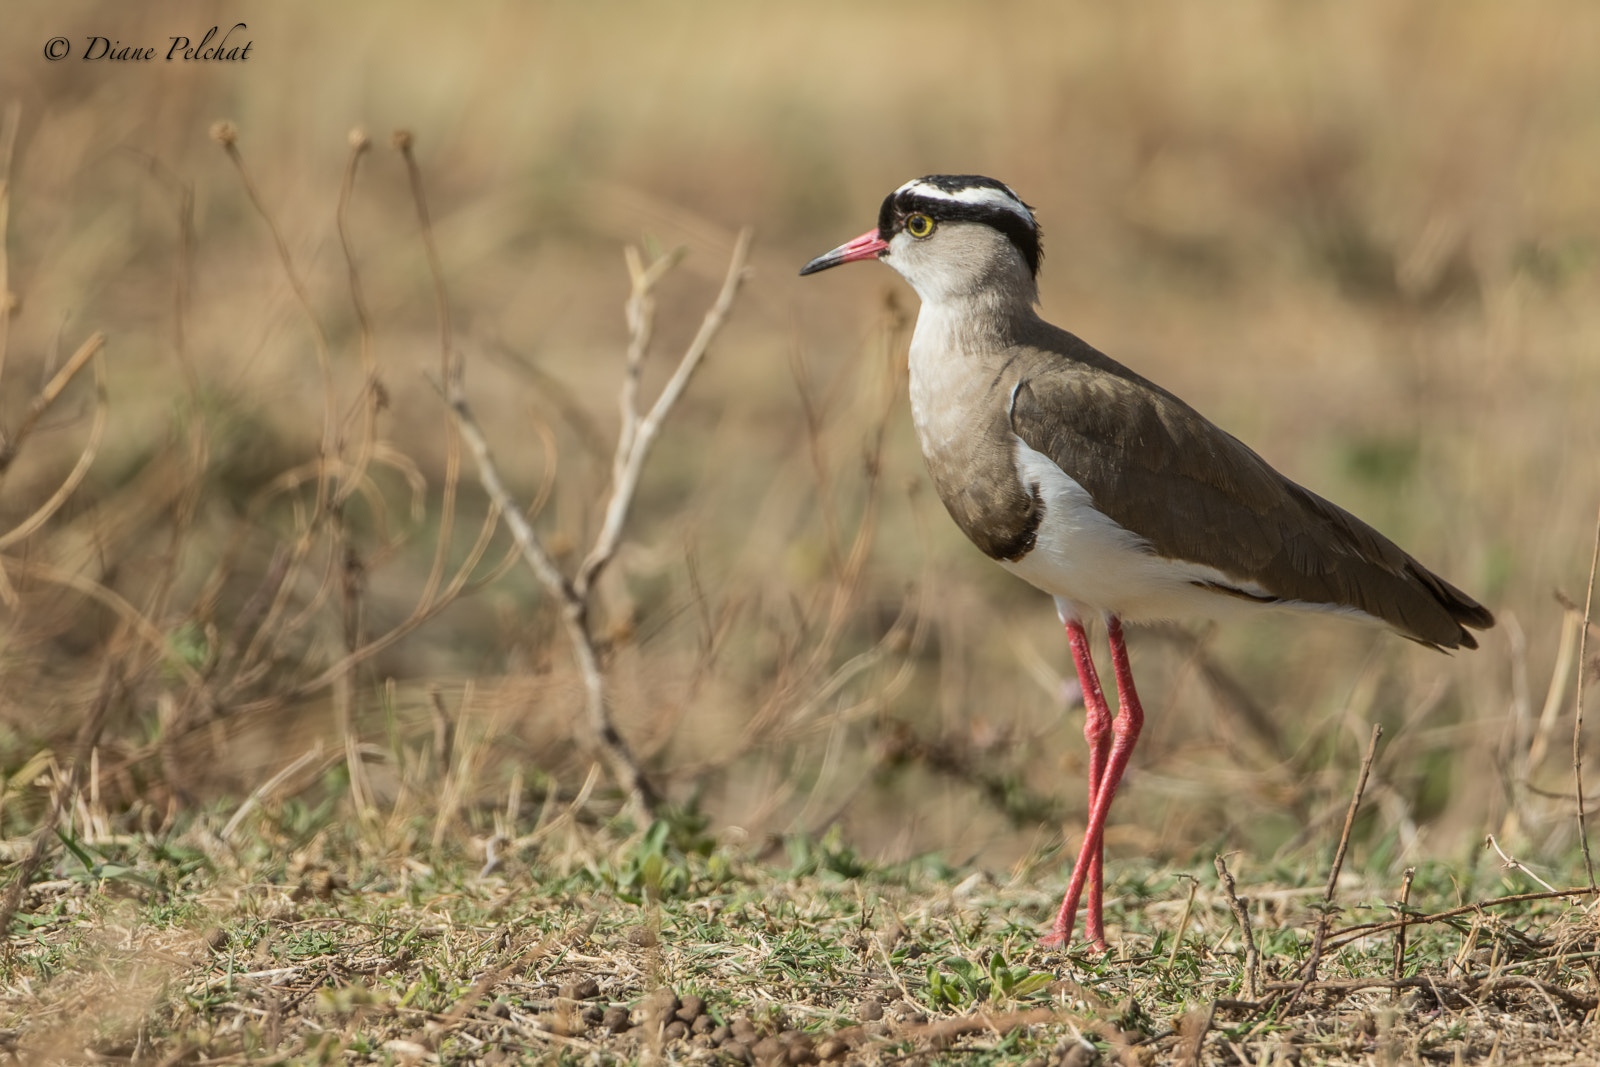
[(80, 469), (1241, 912), (1315, 956), (1183, 921), (267, 789), (109, 598), (449, 362), (1512, 864), (1475, 985), (1400, 935), (1360, 930), (61, 798), (635, 438), (227, 135), (9, 444), (372, 394), (1350, 816), (1577, 722), (1566, 653), (8, 142)]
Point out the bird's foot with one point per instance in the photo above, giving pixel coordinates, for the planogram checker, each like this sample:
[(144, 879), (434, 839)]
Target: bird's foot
[(1059, 939)]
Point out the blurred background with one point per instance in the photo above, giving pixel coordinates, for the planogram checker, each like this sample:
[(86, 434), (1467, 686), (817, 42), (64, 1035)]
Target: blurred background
[(1363, 237)]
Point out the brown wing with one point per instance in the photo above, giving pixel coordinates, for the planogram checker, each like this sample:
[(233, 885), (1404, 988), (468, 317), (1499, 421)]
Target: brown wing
[(1158, 468)]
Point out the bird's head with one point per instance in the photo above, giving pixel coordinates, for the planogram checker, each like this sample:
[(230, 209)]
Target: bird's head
[(950, 235)]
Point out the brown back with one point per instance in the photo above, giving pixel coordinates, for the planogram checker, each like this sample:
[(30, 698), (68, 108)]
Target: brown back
[(1156, 467)]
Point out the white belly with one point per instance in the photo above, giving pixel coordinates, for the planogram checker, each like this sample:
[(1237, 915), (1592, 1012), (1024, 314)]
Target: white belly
[(1092, 566)]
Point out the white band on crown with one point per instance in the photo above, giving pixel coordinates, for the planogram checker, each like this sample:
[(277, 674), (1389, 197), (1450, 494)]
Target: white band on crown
[(972, 194)]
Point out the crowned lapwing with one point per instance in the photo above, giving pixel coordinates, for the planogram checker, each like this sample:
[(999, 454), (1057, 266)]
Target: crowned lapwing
[(1103, 489)]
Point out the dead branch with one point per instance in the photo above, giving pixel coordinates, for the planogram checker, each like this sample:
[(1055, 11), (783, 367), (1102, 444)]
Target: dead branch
[(637, 435), (1350, 816), (1400, 935), (1315, 956), (9, 444), (8, 144), (1252, 956), (1577, 723), (1473, 985), (80, 469)]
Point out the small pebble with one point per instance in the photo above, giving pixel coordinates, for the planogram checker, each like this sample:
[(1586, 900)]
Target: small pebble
[(798, 1048), (616, 1019), (1081, 1054), (721, 1035), (593, 1014), (743, 1029), (703, 1024), (767, 1050), (737, 1050), (582, 989), (870, 1009), (660, 1004), (640, 936), (675, 1030), (691, 1007)]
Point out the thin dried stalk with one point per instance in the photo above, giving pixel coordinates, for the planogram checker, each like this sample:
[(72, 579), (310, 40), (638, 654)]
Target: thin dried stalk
[(126, 612), (226, 135), (1510, 863), (372, 393), (1315, 956), (639, 434), (1252, 956), (91, 448), (1577, 723), (8, 143), (1355, 933), (47, 396), (1400, 935), (449, 361), (635, 439)]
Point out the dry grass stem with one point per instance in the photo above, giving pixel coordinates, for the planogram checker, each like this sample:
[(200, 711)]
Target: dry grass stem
[(1513, 865), (9, 123), (1400, 935), (1577, 718), (1241, 913), (1350, 815), (1314, 958), (636, 436), (10, 443)]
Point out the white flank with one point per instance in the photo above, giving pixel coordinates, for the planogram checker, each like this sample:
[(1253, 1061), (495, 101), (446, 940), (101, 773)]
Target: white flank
[(1092, 566)]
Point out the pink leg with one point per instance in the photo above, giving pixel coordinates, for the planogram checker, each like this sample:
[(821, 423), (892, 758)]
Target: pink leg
[(1129, 721), (1097, 732)]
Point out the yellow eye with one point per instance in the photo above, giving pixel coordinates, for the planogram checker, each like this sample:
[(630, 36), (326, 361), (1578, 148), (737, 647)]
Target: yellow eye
[(919, 225)]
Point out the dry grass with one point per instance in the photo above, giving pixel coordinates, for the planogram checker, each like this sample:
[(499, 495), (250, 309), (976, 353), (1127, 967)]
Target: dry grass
[(240, 555), (301, 942)]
